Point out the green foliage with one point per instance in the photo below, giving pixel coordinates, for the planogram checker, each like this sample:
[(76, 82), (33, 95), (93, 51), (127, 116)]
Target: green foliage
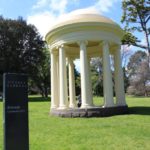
[(77, 82), (139, 74), (126, 79), (22, 50), (96, 76), (42, 79), (20, 46), (54, 133), (129, 39), (136, 16), (135, 61), (136, 12)]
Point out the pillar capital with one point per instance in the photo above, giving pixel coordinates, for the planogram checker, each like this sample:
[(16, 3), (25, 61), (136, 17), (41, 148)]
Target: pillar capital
[(61, 46), (80, 43), (70, 60), (105, 42)]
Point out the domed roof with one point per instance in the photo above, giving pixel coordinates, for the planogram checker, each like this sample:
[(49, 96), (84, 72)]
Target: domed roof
[(73, 19), (81, 18)]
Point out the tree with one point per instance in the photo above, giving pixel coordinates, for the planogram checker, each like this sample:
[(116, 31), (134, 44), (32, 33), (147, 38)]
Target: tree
[(139, 73), (134, 62), (21, 48), (77, 82), (136, 15), (126, 52), (126, 79), (42, 79), (97, 76), (125, 55)]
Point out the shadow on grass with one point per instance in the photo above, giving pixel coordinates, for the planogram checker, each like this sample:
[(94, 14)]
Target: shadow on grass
[(139, 110), (39, 99)]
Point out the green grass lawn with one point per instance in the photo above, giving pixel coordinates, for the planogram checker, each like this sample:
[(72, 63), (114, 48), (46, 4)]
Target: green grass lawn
[(123, 132)]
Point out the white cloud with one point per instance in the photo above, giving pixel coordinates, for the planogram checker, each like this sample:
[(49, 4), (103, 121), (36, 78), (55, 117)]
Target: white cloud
[(53, 5), (104, 5), (57, 5), (44, 20), (90, 10)]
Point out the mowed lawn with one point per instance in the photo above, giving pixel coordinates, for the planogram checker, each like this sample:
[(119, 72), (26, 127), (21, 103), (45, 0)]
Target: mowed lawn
[(122, 132)]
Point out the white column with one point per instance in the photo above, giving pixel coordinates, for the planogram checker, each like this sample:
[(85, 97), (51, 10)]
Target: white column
[(54, 85), (85, 94), (57, 82), (63, 98), (107, 77), (119, 82), (71, 83)]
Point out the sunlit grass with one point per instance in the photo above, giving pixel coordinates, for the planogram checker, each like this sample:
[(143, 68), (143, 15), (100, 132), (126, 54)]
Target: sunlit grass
[(123, 132)]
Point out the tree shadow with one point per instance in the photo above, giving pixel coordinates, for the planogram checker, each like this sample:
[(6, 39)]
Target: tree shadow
[(39, 99), (139, 110)]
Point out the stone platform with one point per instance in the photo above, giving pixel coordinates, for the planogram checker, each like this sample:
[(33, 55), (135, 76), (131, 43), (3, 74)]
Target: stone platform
[(90, 112)]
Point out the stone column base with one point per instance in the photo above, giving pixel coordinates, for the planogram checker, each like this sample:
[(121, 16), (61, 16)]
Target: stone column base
[(90, 112)]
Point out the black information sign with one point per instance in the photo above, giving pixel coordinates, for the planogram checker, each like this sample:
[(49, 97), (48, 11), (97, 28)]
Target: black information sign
[(16, 135)]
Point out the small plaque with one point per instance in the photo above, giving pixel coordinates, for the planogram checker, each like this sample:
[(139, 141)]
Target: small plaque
[(15, 96)]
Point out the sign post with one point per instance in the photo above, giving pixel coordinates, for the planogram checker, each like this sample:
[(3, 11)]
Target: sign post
[(15, 96)]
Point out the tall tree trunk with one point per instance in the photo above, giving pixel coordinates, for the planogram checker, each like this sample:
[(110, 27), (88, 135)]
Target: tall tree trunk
[(148, 47), (45, 92), (145, 90)]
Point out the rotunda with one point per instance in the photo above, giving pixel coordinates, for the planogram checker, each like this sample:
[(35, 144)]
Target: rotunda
[(84, 37)]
